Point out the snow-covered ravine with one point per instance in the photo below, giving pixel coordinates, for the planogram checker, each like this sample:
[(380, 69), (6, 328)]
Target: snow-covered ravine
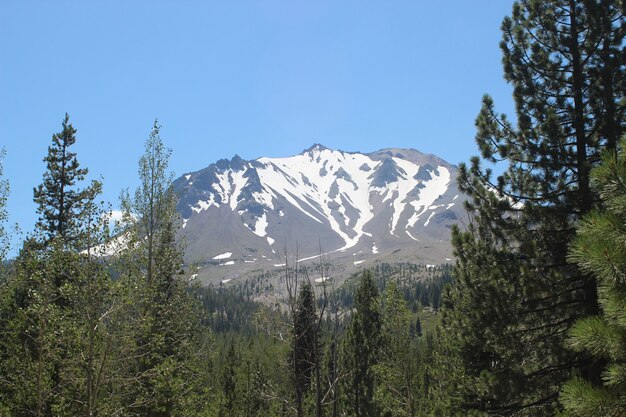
[(341, 191)]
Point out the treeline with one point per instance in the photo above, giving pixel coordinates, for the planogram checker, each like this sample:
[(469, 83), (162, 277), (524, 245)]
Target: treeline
[(227, 309), (232, 308), (422, 285), (317, 353), (313, 357)]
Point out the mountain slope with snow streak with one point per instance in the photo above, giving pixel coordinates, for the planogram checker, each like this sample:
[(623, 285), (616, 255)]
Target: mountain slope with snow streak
[(322, 201)]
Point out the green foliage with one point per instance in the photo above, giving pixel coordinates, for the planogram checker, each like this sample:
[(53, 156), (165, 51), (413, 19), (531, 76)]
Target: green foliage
[(362, 350), (227, 309), (305, 354), (599, 249), (516, 293), (74, 340), (398, 369), (60, 205), (165, 313), (421, 284)]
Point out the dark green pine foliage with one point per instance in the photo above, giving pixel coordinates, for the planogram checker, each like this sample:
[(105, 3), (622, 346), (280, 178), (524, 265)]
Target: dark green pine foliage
[(516, 293), (361, 351), (599, 249), (305, 350), (60, 204), (229, 382)]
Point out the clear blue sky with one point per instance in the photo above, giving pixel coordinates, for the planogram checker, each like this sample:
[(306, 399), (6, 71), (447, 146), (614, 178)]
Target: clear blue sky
[(254, 78)]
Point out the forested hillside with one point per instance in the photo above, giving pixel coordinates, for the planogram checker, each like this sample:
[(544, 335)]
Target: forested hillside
[(100, 318)]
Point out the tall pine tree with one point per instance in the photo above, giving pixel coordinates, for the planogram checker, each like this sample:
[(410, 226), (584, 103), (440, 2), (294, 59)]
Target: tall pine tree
[(599, 249), (516, 293), (361, 351), (305, 350), (55, 301), (60, 203)]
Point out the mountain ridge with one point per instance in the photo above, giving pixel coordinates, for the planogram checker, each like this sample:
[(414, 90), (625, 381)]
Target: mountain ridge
[(348, 204)]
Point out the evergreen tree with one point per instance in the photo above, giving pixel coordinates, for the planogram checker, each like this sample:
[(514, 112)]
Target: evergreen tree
[(599, 249), (516, 293), (361, 351), (305, 349), (229, 382), (60, 204), (47, 301), (397, 368)]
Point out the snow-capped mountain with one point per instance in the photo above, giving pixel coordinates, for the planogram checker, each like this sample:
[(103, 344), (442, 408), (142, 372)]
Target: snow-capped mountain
[(346, 204)]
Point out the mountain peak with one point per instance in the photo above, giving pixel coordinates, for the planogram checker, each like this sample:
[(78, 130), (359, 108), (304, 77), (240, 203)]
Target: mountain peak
[(316, 147)]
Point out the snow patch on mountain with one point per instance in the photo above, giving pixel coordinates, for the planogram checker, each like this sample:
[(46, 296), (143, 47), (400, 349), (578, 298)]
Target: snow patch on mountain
[(260, 226)]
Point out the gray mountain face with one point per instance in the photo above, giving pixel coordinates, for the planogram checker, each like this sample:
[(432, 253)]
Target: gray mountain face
[(240, 216)]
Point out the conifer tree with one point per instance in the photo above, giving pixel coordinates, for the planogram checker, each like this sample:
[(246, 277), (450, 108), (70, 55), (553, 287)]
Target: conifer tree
[(599, 249), (516, 293), (361, 351), (43, 300), (229, 382), (305, 350), (60, 204)]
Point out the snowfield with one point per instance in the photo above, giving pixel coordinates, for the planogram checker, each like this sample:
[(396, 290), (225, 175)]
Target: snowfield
[(345, 192)]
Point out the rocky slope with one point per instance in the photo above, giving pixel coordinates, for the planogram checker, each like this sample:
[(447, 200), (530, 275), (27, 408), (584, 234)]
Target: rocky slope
[(241, 216)]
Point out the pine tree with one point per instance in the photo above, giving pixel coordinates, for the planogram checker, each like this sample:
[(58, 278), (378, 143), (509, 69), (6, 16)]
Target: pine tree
[(516, 293), (305, 349), (60, 204), (361, 351), (47, 297), (599, 249), (229, 382)]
